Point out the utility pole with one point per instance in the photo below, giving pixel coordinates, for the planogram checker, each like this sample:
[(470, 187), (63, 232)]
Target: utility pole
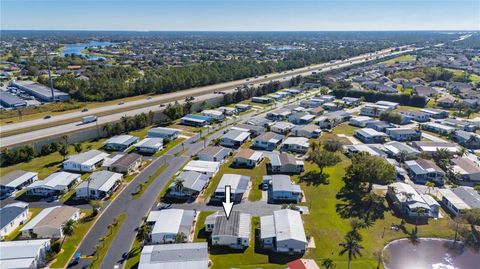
[(49, 73)]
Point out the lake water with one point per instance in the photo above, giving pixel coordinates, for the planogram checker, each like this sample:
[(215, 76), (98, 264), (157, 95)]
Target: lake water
[(76, 49), (429, 254)]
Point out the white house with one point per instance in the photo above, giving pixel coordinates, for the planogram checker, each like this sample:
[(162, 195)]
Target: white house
[(283, 232), (282, 127), (120, 142), (192, 184), (422, 171), (267, 141), (49, 222), (15, 181), (12, 216), (374, 110), (370, 136), (234, 232), (207, 168), (55, 184), (295, 144), (169, 223), (466, 169), (214, 154), (234, 138), (283, 189), (454, 203), (247, 158), (163, 132), (175, 256), (24, 253), (360, 121), (214, 114), (85, 162), (308, 131), (431, 147), (284, 163), (99, 185), (238, 186), (403, 134), (149, 145), (408, 199)]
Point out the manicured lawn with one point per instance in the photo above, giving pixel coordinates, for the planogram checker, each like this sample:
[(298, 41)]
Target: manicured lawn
[(401, 58), (106, 241), (169, 146), (13, 235), (200, 235), (134, 256), (344, 128), (256, 175), (72, 242)]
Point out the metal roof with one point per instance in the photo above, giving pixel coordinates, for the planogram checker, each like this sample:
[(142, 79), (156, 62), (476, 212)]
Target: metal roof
[(238, 183), (122, 140), (16, 178), (58, 181), (101, 180), (289, 225), (174, 256), (469, 195), (53, 217), (16, 254), (282, 183), (150, 143), (202, 166), (238, 225), (90, 157), (192, 180), (173, 221), (9, 213)]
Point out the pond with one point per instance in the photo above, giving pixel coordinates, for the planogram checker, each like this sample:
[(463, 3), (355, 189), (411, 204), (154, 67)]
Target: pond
[(429, 254), (76, 49)]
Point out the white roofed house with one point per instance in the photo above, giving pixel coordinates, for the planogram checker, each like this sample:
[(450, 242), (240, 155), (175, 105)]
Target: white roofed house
[(214, 154), (99, 185), (175, 256), (404, 134), (435, 113), (431, 147), (301, 118), (149, 145), (466, 169), (85, 162), (370, 136), (283, 232), (284, 163), (422, 171), (247, 158), (49, 222), (308, 131), (24, 253), (192, 183), (55, 184), (267, 141), (233, 233), (416, 115), (360, 121), (120, 142), (15, 181), (163, 132), (238, 186), (438, 128), (170, 224), (374, 110), (279, 114), (400, 151), (214, 114), (282, 127), (295, 144), (453, 202), (234, 138), (229, 111), (209, 169), (409, 201), (283, 189)]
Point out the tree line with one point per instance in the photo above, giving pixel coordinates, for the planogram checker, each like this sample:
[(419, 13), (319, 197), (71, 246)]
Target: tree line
[(373, 96)]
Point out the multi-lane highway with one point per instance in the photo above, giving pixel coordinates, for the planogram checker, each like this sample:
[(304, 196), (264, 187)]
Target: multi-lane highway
[(33, 129)]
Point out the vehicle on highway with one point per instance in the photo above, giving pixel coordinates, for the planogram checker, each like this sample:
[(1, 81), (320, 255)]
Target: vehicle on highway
[(149, 98), (162, 105), (47, 117), (85, 110), (121, 103), (88, 119)]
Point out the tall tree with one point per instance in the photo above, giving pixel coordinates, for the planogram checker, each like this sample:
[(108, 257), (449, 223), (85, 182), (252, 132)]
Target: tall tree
[(68, 229), (321, 157), (351, 246)]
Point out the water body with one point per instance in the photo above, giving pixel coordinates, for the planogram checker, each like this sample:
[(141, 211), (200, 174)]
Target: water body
[(76, 49), (429, 254)]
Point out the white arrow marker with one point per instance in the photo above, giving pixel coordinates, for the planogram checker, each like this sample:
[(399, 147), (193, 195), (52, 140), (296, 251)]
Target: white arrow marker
[(227, 205)]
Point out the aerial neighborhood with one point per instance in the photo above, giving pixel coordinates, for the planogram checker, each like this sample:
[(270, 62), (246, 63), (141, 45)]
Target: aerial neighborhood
[(307, 163)]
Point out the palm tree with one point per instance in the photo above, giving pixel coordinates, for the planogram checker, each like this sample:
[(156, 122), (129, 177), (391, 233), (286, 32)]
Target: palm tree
[(77, 147), (68, 229), (351, 246), (328, 264), (430, 185), (89, 179), (179, 184), (461, 151), (65, 139), (63, 151), (143, 233), (180, 238), (418, 210)]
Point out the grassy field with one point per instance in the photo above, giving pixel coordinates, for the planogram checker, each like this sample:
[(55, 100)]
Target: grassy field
[(71, 242), (200, 235), (13, 235), (106, 241), (400, 59), (344, 128)]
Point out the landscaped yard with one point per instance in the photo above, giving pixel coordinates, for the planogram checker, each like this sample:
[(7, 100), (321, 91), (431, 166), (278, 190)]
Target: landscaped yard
[(13, 235), (344, 128), (400, 59)]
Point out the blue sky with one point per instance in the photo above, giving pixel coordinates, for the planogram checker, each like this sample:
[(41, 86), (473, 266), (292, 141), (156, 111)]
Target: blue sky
[(241, 15)]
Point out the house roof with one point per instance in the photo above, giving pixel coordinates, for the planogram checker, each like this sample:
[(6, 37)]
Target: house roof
[(237, 225), (122, 140), (465, 166), (56, 181), (423, 166), (289, 226), (236, 135), (16, 178), (238, 183), (192, 180), (9, 213), (88, 158), (282, 159), (249, 154), (202, 166), (454, 199), (301, 141), (270, 137), (150, 143), (21, 253), (173, 221), (396, 147), (127, 159), (369, 132), (174, 256), (53, 217), (282, 183), (215, 150), (432, 146), (163, 131), (468, 195), (101, 180)]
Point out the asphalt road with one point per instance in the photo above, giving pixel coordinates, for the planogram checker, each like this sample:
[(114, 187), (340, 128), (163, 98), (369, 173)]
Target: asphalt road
[(208, 90)]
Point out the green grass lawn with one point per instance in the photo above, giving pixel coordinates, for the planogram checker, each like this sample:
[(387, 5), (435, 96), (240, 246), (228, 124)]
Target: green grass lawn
[(401, 58), (72, 242), (255, 174), (200, 235), (169, 146), (344, 128), (13, 235), (106, 241)]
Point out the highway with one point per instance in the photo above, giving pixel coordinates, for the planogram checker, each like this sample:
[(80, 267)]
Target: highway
[(202, 93)]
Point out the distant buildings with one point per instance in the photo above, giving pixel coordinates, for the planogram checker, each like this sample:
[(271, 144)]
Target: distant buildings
[(43, 93)]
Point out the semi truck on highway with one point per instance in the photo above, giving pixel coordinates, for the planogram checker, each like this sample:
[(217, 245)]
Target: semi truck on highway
[(88, 119)]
